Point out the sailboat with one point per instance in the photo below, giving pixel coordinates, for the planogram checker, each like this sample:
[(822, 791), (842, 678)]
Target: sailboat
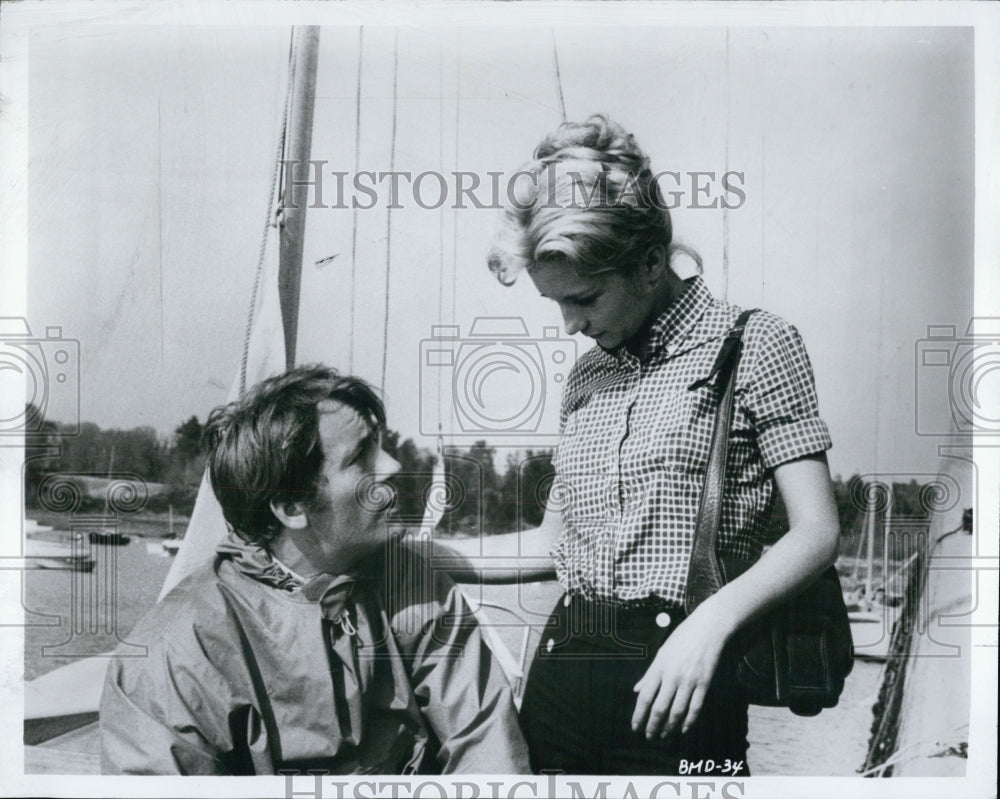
[(921, 717), (169, 544), (41, 553), (874, 605), (74, 555), (62, 706), (110, 534)]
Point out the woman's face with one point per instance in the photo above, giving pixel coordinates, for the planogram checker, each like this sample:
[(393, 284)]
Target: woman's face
[(607, 307)]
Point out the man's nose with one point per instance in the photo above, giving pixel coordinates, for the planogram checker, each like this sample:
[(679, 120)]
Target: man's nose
[(385, 465)]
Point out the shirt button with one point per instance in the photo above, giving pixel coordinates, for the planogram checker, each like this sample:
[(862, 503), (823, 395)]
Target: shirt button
[(662, 619), (549, 645), (566, 600)]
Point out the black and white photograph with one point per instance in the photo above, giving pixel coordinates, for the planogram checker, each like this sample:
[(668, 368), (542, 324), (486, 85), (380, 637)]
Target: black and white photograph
[(499, 399)]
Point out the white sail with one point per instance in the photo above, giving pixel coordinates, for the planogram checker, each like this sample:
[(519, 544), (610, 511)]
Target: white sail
[(265, 357), (270, 344)]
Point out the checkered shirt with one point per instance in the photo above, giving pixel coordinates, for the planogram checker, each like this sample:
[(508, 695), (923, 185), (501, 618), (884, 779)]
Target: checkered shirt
[(634, 449)]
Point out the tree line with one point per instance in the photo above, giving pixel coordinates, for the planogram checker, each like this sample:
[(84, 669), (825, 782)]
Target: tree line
[(171, 466), (477, 496)]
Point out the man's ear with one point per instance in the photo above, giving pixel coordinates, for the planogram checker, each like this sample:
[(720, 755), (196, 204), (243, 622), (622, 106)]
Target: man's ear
[(291, 514)]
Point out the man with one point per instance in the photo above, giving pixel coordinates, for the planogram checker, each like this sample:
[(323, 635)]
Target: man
[(314, 640)]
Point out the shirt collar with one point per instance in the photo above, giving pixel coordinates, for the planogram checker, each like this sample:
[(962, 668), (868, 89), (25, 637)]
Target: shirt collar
[(673, 326)]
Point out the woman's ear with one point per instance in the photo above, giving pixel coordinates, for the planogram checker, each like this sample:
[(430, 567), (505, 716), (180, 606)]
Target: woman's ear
[(657, 261), (654, 269), (291, 514)]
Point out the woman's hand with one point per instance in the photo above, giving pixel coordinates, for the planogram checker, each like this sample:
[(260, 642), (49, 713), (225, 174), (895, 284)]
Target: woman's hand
[(673, 688), (672, 691), (507, 558)]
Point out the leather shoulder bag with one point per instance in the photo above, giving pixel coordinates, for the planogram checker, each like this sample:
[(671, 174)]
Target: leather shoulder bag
[(798, 654)]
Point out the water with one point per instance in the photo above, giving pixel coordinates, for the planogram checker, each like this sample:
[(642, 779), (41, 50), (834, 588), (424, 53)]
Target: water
[(830, 744), (834, 743), (74, 614)]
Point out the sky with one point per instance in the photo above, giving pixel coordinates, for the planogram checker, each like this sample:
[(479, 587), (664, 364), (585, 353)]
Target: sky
[(151, 150)]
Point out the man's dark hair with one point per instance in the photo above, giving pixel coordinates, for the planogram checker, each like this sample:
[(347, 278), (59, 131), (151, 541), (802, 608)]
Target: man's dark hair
[(265, 447)]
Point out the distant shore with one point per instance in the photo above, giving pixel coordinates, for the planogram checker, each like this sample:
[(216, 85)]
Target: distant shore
[(145, 524)]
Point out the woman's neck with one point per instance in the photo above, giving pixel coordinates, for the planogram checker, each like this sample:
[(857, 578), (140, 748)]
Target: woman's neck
[(664, 295)]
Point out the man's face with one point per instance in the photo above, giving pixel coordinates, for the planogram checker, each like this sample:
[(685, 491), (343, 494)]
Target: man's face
[(348, 513)]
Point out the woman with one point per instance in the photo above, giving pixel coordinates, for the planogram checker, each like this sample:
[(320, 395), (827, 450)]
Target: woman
[(623, 683)]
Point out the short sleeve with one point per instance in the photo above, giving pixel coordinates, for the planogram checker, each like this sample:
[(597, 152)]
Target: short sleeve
[(780, 392)]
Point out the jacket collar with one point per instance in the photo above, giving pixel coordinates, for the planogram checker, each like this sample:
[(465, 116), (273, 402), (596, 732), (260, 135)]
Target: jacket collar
[(331, 591)]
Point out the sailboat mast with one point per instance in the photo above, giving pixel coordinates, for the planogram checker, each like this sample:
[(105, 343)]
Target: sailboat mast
[(297, 172), (207, 524), (872, 499), (886, 540), (111, 469)]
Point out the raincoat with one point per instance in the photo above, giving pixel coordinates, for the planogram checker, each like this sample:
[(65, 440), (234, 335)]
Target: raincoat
[(251, 671)]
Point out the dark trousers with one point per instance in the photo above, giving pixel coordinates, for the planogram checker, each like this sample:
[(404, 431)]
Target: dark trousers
[(578, 702)]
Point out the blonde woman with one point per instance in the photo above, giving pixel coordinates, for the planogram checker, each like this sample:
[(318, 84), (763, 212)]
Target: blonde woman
[(623, 682)]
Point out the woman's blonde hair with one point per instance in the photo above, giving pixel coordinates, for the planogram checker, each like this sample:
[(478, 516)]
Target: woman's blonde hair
[(588, 198)]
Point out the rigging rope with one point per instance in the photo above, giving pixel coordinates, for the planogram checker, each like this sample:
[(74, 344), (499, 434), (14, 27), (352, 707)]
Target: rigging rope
[(725, 206), (272, 216), (454, 230), (441, 215), (454, 235), (940, 746), (559, 88), (388, 213), (433, 516), (354, 215)]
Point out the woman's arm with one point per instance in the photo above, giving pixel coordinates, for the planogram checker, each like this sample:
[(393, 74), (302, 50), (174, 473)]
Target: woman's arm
[(671, 693), (512, 557)]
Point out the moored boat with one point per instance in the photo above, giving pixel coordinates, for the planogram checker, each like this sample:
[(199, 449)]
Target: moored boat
[(113, 538), (875, 604), (74, 555), (171, 545), (922, 715)]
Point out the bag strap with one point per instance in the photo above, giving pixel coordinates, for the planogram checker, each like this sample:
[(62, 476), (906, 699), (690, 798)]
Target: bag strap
[(704, 577)]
